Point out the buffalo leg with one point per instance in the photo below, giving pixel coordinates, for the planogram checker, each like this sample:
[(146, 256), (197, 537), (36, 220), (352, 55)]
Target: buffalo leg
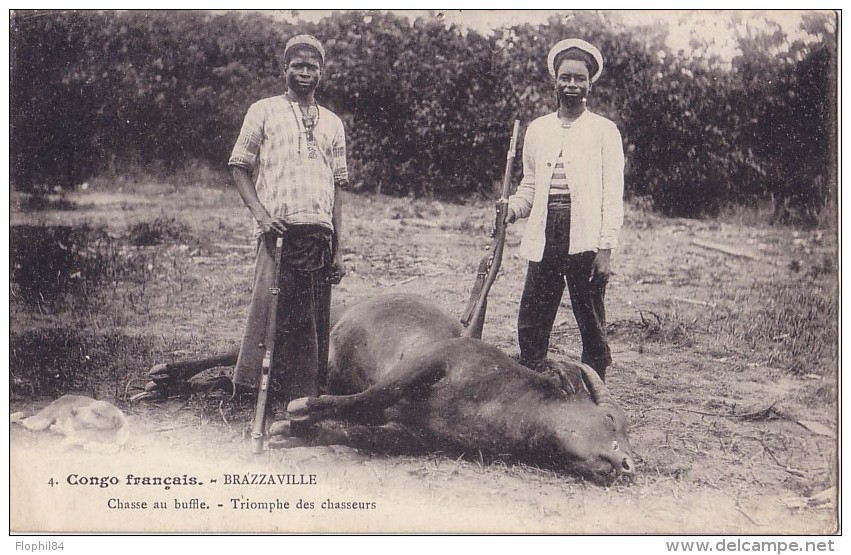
[(172, 377), (183, 370), (404, 380)]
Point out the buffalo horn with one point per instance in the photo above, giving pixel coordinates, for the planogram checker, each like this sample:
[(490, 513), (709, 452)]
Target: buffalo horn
[(596, 387)]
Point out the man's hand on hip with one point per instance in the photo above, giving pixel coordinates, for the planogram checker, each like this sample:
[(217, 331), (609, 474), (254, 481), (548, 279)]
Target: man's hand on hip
[(268, 224)]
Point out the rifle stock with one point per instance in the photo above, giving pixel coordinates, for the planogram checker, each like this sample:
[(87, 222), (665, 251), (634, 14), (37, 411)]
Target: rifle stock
[(473, 318), (258, 428)]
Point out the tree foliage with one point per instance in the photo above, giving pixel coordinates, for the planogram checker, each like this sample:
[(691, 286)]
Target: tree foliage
[(428, 107)]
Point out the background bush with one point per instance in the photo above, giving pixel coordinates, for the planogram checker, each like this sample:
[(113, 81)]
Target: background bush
[(428, 107), (53, 361), (47, 262)]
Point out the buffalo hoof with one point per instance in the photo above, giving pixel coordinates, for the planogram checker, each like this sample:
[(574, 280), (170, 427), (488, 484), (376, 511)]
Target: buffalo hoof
[(298, 406), (298, 410), (153, 395), (160, 372), (288, 443), (280, 428)]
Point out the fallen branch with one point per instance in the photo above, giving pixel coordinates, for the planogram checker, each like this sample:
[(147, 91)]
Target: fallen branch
[(732, 251), (693, 301), (228, 247), (413, 222), (397, 283), (170, 428), (208, 260), (409, 280), (757, 414), (129, 384), (786, 467), (827, 496), (815, 428), (651, 409), (755, 523)]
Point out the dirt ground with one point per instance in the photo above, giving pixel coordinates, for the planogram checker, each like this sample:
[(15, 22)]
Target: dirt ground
[(726, 441)]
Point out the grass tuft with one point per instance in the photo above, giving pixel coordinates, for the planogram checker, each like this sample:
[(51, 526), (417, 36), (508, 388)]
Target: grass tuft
[(157, 232), (54, 361), (47, 262), (790, 325), (670, 328)]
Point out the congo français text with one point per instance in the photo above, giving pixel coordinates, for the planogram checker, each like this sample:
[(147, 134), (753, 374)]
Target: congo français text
[(166, 482)]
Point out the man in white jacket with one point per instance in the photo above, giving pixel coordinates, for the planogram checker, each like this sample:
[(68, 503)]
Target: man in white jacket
[(572, 193)]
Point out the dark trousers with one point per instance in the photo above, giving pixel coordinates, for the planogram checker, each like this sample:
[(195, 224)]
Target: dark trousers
[(542, 293), (303, 324)]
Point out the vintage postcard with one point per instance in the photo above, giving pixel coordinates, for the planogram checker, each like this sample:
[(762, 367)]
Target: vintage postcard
[(618, 316)]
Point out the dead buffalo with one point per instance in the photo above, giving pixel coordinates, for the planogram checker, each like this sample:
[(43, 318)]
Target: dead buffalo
[(402, 378), (398, 361)]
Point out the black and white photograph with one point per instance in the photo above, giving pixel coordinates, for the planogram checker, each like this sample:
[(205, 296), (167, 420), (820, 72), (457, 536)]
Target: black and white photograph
[(425, 272)]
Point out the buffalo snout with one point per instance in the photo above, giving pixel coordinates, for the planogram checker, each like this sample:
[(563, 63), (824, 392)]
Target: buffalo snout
[(624, 466)]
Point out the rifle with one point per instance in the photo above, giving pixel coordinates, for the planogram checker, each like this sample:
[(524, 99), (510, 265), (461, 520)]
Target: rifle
[(473, 318), (258, 429)]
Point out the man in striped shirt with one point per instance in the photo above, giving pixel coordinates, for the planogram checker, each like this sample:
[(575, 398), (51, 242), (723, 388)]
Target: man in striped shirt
[(289, 165), (572, 193)]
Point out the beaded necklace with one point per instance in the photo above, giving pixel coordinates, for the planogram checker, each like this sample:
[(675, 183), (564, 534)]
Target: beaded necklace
[(310, 120)]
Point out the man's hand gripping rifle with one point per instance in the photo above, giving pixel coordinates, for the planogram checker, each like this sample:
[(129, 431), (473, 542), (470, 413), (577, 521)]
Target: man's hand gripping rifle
[(473, 319)]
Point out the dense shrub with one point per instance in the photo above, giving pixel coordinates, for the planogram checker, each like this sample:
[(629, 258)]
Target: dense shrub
[(428, 107), (54, 361), (157, 232), (46, 262)]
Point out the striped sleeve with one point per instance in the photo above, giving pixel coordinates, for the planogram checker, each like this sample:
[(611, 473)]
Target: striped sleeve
[(339, 166), (247, 145)]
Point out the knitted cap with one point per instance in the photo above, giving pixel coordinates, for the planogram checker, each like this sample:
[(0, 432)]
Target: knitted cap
[(309, 41)]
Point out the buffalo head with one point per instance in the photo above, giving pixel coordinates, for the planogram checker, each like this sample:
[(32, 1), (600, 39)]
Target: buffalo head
[(586, 429)]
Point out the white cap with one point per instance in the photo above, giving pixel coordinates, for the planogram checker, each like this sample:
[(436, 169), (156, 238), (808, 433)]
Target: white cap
[(567, 44)]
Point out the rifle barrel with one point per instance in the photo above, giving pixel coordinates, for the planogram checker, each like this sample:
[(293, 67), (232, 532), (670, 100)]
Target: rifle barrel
[(474, 316), (258, 430), (509, 164)]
